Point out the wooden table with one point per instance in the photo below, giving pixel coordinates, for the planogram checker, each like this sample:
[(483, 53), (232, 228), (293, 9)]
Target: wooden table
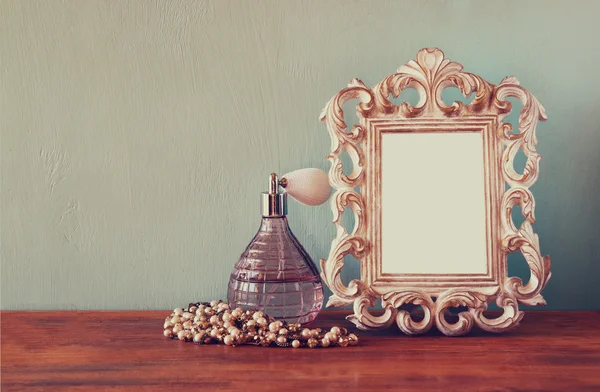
[(90, 351)]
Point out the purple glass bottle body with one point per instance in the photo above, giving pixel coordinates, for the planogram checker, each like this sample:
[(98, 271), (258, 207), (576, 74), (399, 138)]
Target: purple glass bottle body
[(276, 275)]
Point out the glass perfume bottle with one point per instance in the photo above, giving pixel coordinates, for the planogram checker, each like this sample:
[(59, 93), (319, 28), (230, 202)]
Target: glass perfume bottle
[(275, 273)]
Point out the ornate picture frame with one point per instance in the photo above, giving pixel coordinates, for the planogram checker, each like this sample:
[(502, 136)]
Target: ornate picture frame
[(505, 188)]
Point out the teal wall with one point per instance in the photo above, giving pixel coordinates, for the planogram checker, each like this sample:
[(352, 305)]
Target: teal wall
[(136, 136)]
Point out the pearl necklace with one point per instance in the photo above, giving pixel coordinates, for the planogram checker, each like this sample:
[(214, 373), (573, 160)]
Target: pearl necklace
[(215, 322)]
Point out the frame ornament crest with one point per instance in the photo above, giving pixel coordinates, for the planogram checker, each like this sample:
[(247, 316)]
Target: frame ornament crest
[(429, 75)]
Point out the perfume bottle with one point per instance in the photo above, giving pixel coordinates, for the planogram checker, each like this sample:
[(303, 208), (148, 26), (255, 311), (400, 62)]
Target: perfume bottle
[(275, 273)]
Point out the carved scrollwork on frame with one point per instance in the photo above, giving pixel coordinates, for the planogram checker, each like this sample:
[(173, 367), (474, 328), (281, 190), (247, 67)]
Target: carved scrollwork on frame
[(429, 74)]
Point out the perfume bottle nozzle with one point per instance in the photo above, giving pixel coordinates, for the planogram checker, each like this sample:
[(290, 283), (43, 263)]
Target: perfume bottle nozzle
[(273, 203), (273, 184)]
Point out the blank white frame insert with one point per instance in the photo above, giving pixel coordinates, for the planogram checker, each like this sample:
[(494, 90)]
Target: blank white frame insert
[(433, 207)]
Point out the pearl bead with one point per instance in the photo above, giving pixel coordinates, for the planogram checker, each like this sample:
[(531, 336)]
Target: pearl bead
[(227, 325), (343, 342), (214, 332), (271, 336), (296, 344), (314, 333), (226, 316), (175, 320), (198, 337), (251, 323), (178, 311), (262, 322), (197, 319), (167, 324), (168, 333), (281, 339), (177, 328), (331, 336), (187, 315), (228, 340), (335, 330), (236, 313), (181, 335), (209, 311), (234, 332), (352, 339), (325, 342), (283, 331), (214, 303), (257, 315), (274, 326), (214, 320), (312, 343), (305, 334), (193, 309), (187, 324)]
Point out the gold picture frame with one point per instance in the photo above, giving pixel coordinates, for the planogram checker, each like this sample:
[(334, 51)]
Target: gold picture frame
[(504, 189)]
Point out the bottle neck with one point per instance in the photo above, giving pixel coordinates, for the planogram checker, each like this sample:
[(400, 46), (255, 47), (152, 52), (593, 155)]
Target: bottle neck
[(271, 223)]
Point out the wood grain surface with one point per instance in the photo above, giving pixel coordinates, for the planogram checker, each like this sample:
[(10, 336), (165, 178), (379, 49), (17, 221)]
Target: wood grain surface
[(125, 350)]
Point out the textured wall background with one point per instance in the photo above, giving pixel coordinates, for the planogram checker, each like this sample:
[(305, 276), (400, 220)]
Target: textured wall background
[(137, 135)]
